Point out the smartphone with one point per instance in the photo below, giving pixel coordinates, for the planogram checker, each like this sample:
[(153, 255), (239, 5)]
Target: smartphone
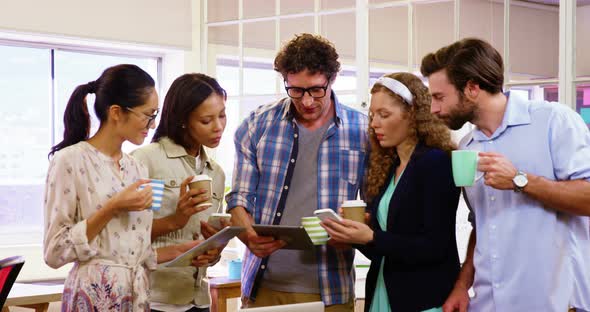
[(215, 219), (327, 213)]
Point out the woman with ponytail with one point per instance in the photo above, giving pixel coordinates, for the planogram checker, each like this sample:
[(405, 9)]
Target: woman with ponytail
[(95, 216)]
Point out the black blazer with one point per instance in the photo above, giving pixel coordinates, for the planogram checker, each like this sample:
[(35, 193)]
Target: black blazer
[(419, 246)]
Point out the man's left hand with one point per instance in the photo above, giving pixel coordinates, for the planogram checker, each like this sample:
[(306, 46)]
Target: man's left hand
[(498, 170)]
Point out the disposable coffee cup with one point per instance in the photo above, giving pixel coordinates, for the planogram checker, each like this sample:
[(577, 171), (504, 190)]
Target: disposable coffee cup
[(157, 193), (315, 231), (354, 210), (464, 163), (202, 181), (215, 219)]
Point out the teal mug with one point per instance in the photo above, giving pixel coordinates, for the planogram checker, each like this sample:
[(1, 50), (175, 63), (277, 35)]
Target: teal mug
[(464, 164)]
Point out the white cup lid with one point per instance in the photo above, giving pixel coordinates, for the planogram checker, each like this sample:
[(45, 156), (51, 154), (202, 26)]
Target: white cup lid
[(201, 177), (219, 214), (353, 203)]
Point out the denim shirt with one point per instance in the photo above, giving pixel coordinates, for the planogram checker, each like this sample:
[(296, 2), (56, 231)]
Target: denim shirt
[(266, 149)]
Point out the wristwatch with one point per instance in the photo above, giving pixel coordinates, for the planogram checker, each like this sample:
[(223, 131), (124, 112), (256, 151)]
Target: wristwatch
[(520, 181)]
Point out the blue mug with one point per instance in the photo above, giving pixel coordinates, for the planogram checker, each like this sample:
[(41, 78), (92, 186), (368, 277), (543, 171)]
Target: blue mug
[(235, 269)]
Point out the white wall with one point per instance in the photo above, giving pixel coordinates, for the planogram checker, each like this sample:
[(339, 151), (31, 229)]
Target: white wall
[(534, 34), (156, 22), (534, 41)]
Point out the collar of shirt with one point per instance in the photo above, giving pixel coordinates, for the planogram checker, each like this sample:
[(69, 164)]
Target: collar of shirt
[(289, 115), (174, 150), (517, 113)]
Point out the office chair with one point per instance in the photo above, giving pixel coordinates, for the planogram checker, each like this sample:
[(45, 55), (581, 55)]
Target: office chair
[(9, 269)]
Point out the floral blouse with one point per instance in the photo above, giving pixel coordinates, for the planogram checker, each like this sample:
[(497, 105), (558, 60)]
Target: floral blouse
[(111, 271)]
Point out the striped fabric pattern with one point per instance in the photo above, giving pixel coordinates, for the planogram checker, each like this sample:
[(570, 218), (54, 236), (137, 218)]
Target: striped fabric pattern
[(158, 193), (266, 147)]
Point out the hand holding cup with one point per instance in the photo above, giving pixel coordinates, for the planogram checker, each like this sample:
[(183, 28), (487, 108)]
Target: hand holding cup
[(130, 199), (189, 203), (499, 170), (202, 182)]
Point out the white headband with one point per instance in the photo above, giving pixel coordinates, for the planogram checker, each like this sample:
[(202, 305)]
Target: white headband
[(396, 87)]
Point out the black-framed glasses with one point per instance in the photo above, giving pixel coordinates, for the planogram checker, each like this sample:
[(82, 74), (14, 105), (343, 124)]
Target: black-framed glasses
[(314, 92), (150, 118)]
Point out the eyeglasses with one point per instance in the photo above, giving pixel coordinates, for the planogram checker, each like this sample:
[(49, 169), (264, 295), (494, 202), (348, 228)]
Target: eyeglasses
[(150, 118), (314, 92)]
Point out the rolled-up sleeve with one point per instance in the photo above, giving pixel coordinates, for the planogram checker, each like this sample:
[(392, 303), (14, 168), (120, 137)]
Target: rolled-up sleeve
[(246, 174), (65, 231), (570, 145)]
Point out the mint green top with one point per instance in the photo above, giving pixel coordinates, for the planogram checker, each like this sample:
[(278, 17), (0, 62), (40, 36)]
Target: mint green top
[(380, 301)]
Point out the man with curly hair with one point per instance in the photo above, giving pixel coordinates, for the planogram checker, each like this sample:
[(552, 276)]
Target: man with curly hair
[(528, 212), (304, 152)]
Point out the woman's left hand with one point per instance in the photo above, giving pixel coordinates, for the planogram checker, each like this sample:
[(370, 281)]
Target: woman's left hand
[(187, 203), (348, 231), (208, 258), (207, 230), (168, 253)]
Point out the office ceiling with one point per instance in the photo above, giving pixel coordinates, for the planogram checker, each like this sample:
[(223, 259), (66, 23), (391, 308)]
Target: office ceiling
[(556, 2)]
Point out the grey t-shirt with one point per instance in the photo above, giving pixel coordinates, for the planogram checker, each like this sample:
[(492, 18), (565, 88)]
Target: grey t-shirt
[(297, 270)]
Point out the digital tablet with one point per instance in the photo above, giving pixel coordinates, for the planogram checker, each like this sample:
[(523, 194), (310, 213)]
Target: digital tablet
[(294, 236), (218, 239)]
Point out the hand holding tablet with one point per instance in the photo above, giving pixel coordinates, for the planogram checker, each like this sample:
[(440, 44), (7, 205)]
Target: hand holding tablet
[(220, 239), (294, 236)]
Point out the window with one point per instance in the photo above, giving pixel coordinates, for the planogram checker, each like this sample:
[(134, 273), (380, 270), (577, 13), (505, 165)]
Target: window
[(582, 54), (583, 101), (36, 84), (75, 68), (399, 34), (25, 77)]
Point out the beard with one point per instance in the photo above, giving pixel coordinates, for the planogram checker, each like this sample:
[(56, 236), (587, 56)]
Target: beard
[(463, 113)]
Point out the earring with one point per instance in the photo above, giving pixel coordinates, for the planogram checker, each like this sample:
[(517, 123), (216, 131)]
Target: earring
[(183, 126)]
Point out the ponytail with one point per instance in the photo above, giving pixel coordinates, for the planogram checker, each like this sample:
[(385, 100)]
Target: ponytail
[(76, 118), (125, 85)]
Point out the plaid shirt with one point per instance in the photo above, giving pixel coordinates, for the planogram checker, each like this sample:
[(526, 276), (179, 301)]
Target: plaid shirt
[(266, 150)]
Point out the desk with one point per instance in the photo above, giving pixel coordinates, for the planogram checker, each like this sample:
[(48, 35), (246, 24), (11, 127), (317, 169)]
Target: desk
[(221, 289), (33, 296)]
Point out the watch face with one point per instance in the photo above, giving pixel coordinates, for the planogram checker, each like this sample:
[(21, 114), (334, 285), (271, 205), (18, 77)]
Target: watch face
[(520, 180)]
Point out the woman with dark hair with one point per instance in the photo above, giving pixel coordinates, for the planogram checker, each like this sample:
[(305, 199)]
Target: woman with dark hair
[(95, 216), (193, 117), (412, 199)]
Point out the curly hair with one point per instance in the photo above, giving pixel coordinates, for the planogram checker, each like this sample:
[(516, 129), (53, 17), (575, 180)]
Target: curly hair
[(425, 128), (307, 51)]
